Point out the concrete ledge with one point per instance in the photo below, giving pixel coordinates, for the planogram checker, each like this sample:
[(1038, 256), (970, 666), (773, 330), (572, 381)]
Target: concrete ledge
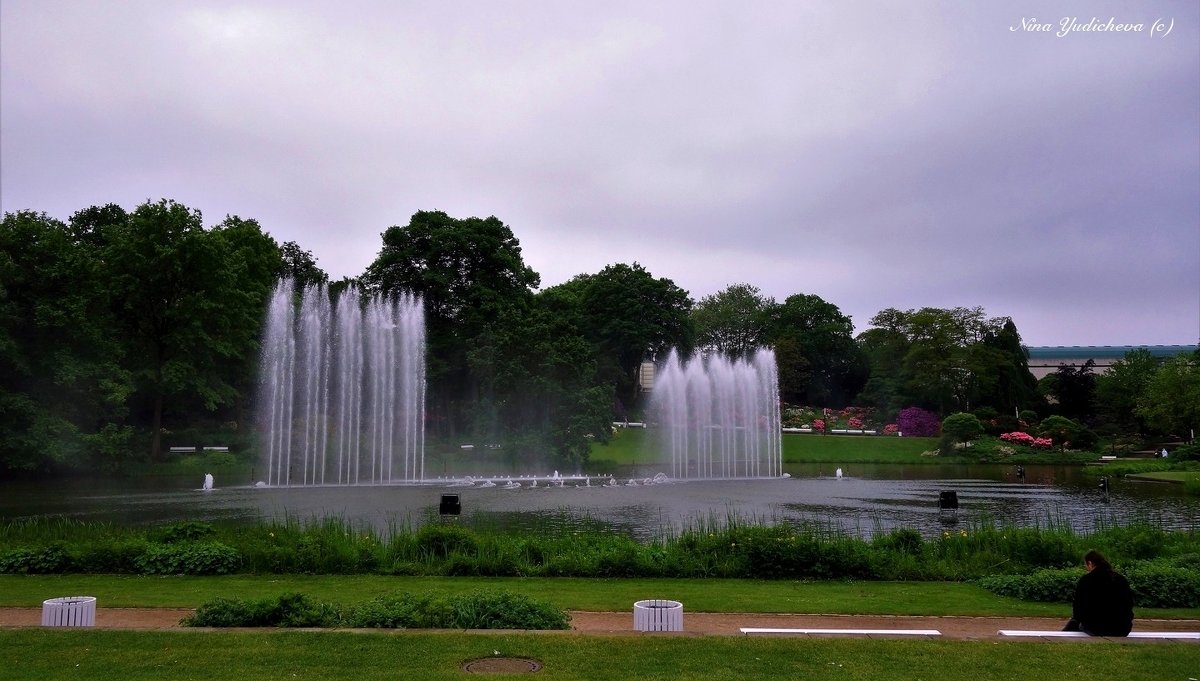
[(843, 632), (1080, 634)]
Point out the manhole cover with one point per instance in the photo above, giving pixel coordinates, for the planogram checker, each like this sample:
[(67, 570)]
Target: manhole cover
[(501, 665)]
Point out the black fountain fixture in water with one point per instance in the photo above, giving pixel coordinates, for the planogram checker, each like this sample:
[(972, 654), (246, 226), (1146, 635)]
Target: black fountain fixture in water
[(948, 501), (450, 505)]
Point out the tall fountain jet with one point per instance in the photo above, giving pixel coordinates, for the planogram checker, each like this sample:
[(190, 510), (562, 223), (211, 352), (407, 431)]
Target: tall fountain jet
[(719, 417), (342, 388)]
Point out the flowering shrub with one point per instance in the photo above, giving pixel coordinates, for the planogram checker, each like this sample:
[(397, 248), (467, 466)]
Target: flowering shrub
[(918, 422), (890, 429), (819, 425), (855, 422), (1028, 440)]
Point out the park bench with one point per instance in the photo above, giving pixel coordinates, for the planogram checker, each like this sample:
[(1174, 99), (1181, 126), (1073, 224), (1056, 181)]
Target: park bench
[(183, 450), (1080, 634), (841, 632), (216, 449)]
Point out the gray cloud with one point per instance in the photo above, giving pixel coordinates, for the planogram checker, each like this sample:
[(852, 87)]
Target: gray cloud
[(876, 154)]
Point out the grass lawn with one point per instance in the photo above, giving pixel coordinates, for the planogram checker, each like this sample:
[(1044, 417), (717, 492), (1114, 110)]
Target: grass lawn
[(634, 446), (1168, 476), (101, 655), (699, 595)]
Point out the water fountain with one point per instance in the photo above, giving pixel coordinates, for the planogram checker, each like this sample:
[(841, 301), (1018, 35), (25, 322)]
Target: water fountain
[(718, 417), (342, 392)]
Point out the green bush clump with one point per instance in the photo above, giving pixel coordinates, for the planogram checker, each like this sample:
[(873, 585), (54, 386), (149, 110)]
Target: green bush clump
[(475, 610), (110, 557), (45, 560), (504, 610), (1162, 586), (1045, 586), (287, 610), (185, 531), (189, 558), (439, 541)]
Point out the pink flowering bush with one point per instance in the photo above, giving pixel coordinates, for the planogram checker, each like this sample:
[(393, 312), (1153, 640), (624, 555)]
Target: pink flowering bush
[(855, 422), (890, 429), (1028, 440), (819, 425)]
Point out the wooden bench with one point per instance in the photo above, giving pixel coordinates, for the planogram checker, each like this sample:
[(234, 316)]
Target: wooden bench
[(1080, 634), (842, 632)]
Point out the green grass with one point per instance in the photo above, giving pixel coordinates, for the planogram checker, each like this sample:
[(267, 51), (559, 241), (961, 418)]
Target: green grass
[(248, 656), (613, 595), (1169, 476), (635, 446)]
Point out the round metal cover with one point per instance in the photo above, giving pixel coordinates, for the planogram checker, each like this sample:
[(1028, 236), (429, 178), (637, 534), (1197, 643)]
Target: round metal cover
[(502, 665)]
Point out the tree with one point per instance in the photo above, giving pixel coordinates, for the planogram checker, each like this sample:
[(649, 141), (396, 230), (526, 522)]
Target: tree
[(1171, 404), (1074, 389), (300, 265), (1123, 387), (474, 284), (834, 365), (1060, 429), (60, 380), (186, 313), (629, 316), (962, 427), (732, 322)]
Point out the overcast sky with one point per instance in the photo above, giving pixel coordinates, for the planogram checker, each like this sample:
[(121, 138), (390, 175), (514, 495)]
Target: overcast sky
[(877, 154)]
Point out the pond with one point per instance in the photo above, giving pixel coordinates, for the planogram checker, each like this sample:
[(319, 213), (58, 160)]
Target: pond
[(866, 499)]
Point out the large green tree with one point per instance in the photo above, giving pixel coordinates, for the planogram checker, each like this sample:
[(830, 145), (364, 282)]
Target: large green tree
[(819, 361), (629, 316), (733, 321), (1123, 387), (1171, 404), (475, 287), (189, 303), (62, 388)]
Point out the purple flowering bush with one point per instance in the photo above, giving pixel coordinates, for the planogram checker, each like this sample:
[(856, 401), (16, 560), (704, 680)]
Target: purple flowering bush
[(918, 422)]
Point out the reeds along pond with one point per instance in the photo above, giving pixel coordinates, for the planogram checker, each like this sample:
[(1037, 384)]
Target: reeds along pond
[(729, 547)]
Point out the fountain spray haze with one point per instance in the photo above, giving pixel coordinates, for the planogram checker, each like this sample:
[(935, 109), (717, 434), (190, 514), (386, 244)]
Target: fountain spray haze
[(342, 388), (718, 417)]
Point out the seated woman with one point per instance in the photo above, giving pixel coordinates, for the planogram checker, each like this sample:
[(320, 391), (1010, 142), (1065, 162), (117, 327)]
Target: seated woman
[(1103, 600)]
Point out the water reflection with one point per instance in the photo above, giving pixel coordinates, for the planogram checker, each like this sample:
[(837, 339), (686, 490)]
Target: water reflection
[(866, 500)]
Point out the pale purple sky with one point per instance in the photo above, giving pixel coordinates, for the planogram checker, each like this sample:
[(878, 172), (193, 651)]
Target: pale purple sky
[(877, 154)]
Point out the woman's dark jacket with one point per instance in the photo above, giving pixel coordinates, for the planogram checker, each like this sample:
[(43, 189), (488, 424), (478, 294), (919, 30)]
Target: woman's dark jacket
[(1103, 604)]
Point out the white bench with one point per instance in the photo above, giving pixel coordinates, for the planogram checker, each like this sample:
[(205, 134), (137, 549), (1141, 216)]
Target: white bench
[(183, 450), (842, 632), (1080, 634), (216, 449)]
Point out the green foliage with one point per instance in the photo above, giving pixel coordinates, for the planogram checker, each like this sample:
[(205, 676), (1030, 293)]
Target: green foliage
[(1171, 402), (733, 321), (1046, 586), (185, 531), (962, 427), (474, 610), (287, 610), (51, 559), (1154, 585), (189, 558)]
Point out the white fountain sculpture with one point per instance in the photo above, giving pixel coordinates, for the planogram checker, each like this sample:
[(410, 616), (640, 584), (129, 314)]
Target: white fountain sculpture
[(719, 417), (342, 393), (208, 482)]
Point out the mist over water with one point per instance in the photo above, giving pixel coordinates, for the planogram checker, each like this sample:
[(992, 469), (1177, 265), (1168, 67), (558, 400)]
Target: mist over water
[(717, 417), (342, 388)]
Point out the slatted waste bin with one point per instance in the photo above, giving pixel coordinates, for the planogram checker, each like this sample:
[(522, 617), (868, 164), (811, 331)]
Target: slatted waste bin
[(658, 615), (69, 611)]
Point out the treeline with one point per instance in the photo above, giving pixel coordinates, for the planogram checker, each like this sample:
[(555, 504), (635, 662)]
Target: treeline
[(123, 332)]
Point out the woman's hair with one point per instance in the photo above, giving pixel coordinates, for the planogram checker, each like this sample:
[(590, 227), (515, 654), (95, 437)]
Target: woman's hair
[(1096, 558)]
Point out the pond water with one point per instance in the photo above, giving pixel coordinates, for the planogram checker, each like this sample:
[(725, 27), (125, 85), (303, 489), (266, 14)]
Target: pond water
[(867, 499)]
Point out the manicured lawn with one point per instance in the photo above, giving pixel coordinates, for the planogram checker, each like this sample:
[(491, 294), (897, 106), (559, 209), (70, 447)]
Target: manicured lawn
[(248, 656), (1168, 476), (699, 595), (635, 446)]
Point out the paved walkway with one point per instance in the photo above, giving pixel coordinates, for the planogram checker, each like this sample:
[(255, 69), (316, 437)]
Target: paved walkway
[(695, 624)]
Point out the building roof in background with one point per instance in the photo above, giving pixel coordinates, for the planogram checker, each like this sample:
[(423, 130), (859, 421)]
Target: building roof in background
[(1098, 352)]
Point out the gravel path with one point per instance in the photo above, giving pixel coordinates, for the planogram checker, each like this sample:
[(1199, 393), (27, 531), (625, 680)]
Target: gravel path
[(695, 624)]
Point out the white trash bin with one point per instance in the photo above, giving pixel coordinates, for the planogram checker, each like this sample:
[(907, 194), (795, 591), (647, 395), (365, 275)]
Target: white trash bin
[(69, 611), (658, 615)]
